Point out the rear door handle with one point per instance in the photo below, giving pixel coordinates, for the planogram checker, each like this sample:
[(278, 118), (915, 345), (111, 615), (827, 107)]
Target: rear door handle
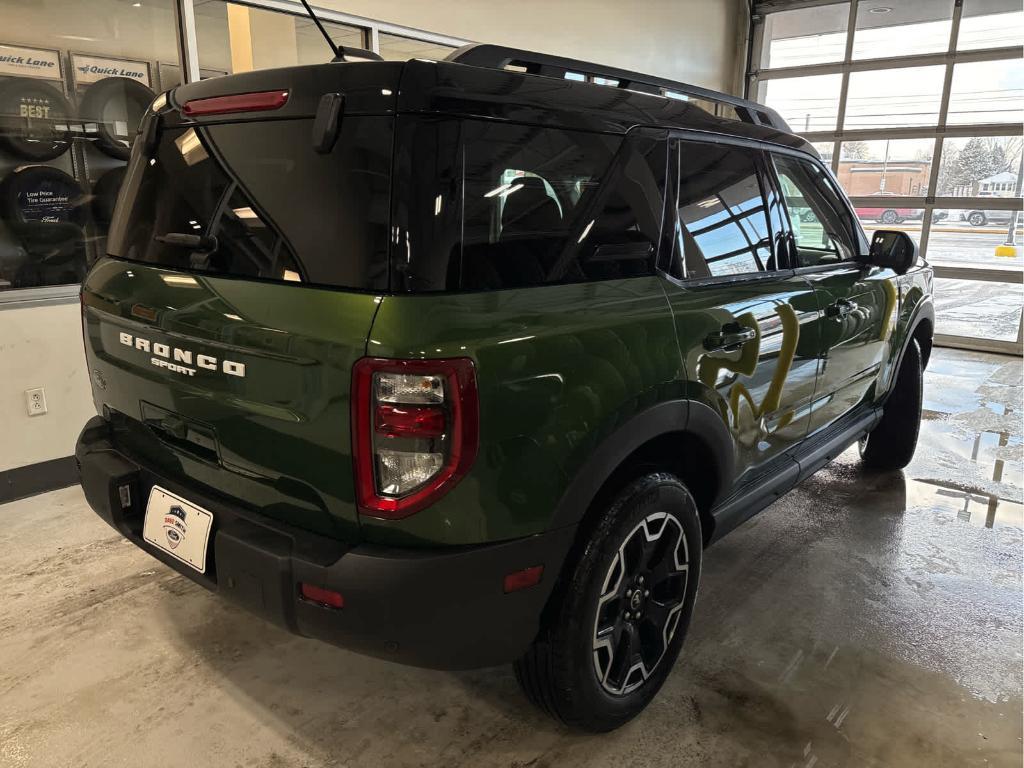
[(730, 337), (841, 308)]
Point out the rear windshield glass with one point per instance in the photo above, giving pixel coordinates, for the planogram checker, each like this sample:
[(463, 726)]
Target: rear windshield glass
[(498, 205), (255, 200)]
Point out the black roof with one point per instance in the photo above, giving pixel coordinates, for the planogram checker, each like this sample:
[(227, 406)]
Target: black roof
[(455, 86)]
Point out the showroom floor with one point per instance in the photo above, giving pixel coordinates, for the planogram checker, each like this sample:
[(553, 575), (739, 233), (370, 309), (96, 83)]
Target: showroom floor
[(864, 620)]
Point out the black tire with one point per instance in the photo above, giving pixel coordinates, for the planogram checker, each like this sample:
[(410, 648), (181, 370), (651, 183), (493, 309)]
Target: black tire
[(41, 194), (977, 219), (889, 217), (116, 106), (654, 521), (890, 445), (104, 196), (41, 134)]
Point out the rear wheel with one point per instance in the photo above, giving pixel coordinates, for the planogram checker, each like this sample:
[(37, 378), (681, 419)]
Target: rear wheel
[(619, 624), (891, 444), (976, 219), (889, 217)]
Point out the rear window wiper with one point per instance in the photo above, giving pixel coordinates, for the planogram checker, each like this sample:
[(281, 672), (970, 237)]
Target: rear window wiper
[(206, 243)]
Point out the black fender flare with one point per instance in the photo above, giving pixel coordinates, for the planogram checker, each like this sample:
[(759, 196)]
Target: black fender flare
[(672, 416), (925, 310)]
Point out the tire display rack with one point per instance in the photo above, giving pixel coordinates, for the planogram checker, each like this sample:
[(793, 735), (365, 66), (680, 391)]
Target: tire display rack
[(64, 142)]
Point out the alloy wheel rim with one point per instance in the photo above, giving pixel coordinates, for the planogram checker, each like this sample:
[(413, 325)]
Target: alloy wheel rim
[(641, 602)]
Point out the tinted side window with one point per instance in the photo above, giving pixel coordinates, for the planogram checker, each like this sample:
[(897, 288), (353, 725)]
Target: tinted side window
[(538, 206), (722, 223), (817, 216)]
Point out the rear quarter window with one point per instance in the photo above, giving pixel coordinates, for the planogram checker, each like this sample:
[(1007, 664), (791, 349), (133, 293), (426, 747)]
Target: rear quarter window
[(497, 205)]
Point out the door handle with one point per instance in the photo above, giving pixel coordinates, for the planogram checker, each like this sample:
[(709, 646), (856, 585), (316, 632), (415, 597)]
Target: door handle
[(730, 337), (841, 308)]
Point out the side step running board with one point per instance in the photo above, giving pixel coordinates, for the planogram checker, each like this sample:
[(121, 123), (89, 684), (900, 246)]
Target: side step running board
[(789, 469)]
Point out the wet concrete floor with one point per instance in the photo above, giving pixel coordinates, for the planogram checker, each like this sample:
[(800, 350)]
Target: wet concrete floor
[(868, 620)]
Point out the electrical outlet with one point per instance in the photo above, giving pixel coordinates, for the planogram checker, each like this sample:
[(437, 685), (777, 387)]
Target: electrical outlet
[(35, 401)]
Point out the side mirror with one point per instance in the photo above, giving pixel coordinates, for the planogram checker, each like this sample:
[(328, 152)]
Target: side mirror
[(892, 249)]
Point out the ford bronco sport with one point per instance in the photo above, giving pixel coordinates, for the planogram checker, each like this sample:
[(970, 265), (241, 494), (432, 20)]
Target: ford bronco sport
[(465, 362)]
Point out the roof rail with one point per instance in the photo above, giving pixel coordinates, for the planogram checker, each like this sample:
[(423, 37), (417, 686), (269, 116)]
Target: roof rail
[(502, 57)]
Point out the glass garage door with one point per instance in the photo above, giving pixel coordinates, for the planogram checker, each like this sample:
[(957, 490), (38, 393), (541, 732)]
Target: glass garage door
[(918, 106)]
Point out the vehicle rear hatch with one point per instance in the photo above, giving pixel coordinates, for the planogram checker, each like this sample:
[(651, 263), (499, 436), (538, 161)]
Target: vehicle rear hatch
[(250, 236)]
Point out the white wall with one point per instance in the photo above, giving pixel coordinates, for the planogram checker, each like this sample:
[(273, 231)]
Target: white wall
[(696, 41), (41, 347)]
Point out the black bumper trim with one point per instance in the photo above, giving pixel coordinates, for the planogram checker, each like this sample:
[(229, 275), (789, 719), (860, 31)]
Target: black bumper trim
[(438, 608)]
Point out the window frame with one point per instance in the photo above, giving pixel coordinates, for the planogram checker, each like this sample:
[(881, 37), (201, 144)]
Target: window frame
[(858, 241), (768, 179), (673, 224), (927, 201)]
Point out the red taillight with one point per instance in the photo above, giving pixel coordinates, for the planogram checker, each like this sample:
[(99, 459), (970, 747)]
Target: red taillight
[(238, 102), (415, 430), (409, 420), (326, 597)]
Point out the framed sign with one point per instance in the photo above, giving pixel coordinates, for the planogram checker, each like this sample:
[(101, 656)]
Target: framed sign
[(19, 61), (88, 69)]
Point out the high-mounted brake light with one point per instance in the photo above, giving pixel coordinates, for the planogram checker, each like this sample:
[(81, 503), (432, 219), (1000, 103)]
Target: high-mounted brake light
[(415, 431), (261, 101)]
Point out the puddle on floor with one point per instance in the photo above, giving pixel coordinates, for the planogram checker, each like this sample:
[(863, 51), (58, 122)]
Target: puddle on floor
[(960, 384), (989, 462), (983, 510)]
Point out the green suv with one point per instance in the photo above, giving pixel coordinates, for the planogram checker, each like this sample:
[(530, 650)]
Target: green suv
[(464, 363)]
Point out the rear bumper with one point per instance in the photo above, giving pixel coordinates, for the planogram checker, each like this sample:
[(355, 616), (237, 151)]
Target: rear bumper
[(440, 608)]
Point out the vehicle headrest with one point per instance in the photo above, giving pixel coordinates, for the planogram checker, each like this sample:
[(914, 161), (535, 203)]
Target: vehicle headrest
[(529, 210)]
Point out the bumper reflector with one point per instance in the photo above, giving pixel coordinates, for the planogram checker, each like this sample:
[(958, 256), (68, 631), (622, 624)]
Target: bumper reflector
[(325, 597), (527, 577)]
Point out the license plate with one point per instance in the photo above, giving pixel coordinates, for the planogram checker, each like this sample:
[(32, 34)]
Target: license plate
[(177, 527)]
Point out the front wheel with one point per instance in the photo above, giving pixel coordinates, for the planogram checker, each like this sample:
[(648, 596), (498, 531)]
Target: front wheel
[(891, 444), (614, 633), (977, 219), (889, 217)]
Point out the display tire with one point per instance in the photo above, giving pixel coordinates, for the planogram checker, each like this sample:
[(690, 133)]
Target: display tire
[(29, 178), (16, 92), (104, 195), (574, 670), (93, 106)]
